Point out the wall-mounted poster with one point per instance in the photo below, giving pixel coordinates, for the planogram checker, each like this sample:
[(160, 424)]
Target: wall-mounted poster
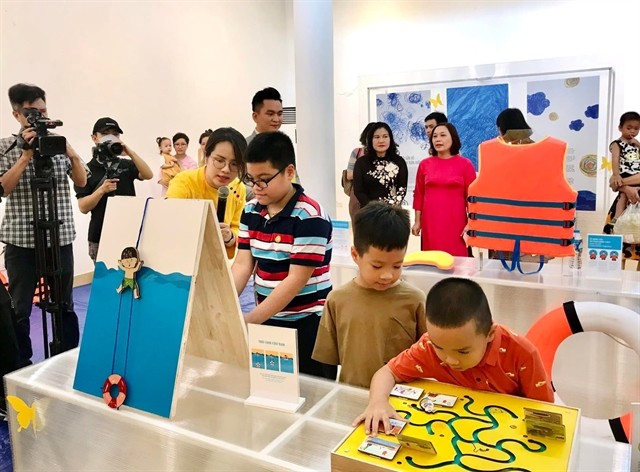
[(560, 98), (568, 109), (405, 113), (473, 111)]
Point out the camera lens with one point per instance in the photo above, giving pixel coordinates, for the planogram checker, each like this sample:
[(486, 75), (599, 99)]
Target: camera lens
[(115, 148)]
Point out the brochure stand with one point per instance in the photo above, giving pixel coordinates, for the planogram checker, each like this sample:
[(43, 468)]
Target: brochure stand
[(275, 382)]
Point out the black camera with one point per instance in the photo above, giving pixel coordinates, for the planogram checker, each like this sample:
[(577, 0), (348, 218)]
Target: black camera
[(44, 144), (109, 151)]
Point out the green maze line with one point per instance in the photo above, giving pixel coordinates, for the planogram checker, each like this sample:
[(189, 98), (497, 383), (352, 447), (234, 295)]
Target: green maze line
[(492, 423)]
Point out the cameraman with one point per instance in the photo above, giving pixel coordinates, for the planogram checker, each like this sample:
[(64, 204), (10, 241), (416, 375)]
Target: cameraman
[(17, 169), (110, 175)]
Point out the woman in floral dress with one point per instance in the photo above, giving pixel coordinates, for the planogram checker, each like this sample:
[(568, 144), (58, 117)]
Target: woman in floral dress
[(381, 174)]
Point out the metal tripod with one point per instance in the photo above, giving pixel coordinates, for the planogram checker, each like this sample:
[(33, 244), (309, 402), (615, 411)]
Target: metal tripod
[(46, 224)]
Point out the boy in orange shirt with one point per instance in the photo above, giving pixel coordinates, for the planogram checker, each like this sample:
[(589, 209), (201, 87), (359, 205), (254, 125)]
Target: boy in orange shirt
[(463, 346)]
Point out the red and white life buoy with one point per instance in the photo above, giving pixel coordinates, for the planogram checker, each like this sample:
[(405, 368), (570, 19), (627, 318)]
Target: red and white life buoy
[(548, 332), (117, 381)]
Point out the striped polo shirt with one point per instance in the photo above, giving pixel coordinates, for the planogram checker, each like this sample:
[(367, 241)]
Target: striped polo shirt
[(300, 234)]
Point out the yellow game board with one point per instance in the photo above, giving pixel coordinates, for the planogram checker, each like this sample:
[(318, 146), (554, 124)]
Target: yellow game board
[(482, 432)]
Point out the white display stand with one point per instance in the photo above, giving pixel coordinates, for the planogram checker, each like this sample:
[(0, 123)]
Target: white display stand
[(212, 430)]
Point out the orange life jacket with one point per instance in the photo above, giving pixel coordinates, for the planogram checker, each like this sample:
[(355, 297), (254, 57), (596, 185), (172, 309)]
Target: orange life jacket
[(521, 200)]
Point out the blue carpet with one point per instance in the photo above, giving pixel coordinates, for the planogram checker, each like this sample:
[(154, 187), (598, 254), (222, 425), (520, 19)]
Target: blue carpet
[(81, 301), (5, 448)]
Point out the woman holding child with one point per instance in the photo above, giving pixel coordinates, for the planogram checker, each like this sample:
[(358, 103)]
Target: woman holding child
[(440, 196)]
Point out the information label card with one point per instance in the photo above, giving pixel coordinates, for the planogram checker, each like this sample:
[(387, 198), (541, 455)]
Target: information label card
[(341, 238), (274, 376), (603, 256)]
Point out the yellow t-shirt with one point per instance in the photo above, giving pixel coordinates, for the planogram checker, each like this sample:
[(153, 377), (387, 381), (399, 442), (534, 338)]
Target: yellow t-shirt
[(191, 184)]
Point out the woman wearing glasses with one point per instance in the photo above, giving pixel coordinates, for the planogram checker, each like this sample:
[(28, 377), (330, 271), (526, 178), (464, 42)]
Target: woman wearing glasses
[(222, 166)]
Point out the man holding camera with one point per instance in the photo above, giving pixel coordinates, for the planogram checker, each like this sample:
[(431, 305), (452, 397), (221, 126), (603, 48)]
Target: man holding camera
[(110, 175), (17, 169)]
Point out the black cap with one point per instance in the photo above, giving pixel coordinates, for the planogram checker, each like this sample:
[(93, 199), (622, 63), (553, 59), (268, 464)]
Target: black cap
[(104, 123)]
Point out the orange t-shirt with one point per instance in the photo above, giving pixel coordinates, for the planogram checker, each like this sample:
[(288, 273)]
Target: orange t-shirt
[(511, 365)]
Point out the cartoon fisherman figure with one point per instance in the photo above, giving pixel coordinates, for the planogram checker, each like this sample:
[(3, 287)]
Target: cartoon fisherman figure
[(130, 264)]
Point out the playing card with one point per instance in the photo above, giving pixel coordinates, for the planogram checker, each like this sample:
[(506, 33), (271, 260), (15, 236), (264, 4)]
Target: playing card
[(379, 448), (396, 427), (544, 429), (441, 399), (414, 442), (404, 391), (541, 415)]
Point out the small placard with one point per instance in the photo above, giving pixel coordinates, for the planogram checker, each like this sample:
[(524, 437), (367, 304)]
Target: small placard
[(274, 376), (341, 238), (603, 256)]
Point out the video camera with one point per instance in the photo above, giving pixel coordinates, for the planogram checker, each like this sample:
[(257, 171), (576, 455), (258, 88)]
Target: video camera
[(109, 151), (106, 153), (45, 144)]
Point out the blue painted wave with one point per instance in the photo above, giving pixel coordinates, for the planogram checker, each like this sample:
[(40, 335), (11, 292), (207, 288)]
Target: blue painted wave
[(139, 339)]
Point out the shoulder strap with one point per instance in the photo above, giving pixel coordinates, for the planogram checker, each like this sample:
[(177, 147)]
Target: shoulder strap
[(13, 144)]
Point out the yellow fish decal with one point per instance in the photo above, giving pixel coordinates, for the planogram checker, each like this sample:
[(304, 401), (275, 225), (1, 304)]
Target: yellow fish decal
[(606, 164), (436, 101), (26, 414)]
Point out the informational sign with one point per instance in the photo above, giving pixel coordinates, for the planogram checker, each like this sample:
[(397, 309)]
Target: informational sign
[(341, 238), (274, 376), (603, 256)]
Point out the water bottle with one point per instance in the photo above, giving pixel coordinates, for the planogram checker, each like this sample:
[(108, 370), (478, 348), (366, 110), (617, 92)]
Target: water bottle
[(575, 263)]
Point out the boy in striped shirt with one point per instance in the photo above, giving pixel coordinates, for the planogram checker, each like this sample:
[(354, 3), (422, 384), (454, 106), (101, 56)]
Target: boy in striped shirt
[(286, 237)]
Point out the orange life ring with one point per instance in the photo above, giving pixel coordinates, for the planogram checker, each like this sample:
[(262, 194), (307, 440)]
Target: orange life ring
[(548, 332), (117, 381)]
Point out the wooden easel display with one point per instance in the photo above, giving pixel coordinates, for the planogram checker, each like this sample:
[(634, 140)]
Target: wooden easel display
[(187, 303)]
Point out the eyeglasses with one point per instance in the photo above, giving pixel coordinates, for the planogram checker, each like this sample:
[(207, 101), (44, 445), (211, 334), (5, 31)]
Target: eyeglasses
[(220, 163), (261, 183)]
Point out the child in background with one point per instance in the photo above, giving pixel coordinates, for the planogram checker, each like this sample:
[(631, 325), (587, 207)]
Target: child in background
[(440, 196), (376, 316), (164, 146), (170, 166), (463, 347), (204, 137), (625, 157)]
